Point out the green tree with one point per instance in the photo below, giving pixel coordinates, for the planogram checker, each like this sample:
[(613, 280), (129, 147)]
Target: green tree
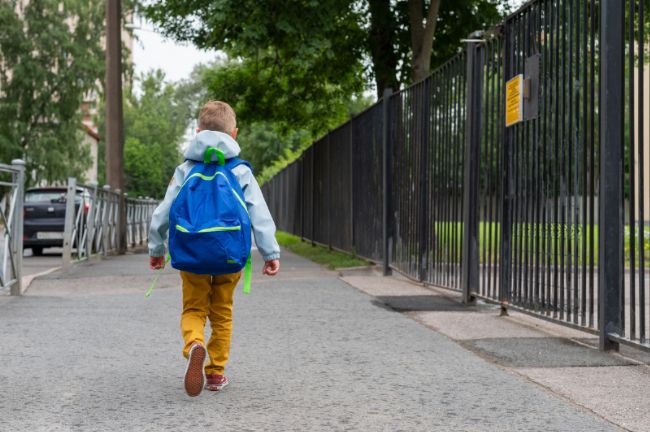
[(50, 58), (262, 145), (310, 51), (294, 69), (154, 125), (263, 138), (295, 66), (407, 38)]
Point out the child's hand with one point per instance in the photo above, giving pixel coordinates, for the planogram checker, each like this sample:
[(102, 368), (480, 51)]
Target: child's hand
[(271, 267), (157, 263)]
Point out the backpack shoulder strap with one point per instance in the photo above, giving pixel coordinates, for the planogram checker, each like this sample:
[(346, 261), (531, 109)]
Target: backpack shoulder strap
[(194, 167), (232, 163)]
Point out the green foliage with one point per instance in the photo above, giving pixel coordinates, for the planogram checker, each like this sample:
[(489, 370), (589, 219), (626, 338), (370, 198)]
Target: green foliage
[(291, 53), (321, 255), (265, 139), (262, 145), (260, 94), (458, 19), (295, 63), (278, 165), (50, 57), (295, 66), (154, 125), (297, 142)]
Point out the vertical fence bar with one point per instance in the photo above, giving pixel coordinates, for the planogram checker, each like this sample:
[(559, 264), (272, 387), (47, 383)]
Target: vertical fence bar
[(641, 168), (313, 197), (470, 258), (505, 258), (387, 186), (120, 220), (108, 208), (300, 197), (68, 227), (17, 228), (611, 205), (353, 243), (422, 132)]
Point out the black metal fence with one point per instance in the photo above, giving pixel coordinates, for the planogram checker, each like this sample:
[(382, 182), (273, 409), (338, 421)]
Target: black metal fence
[(635, 297), (551, 158), (432, 183)]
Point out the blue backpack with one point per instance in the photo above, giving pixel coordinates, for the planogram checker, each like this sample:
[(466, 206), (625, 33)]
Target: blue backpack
[(209, 226)]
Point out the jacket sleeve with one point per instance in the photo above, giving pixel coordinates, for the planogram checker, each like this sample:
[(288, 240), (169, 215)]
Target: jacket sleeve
[(263, 225), (160, 218)]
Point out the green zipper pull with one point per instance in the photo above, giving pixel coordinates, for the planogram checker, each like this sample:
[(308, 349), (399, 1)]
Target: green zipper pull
[(248, 274), (155, 279)]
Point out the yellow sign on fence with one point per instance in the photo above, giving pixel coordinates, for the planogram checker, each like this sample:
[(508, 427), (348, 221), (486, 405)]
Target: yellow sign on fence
[(515, 100)]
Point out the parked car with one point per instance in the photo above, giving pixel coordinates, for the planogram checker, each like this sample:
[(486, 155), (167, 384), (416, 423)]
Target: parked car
[(44, 216)]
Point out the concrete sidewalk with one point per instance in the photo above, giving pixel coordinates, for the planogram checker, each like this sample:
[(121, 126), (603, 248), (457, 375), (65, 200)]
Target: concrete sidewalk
[(86, 351)]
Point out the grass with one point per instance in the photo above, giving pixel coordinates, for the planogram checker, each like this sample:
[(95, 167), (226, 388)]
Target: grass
[(448, 237), (527, 237), (319, 254)]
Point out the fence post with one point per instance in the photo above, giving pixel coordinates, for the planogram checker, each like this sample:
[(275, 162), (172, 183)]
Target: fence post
[(424, 179), (140, 221), (352, 206), (17, 228), (328, 190), (425, 139), (68, 227), (90, 219), (300, 197), (474, 76), (313, 195), (610, 238), (108, 210), (387, 226), (120, 222), (505, 240)]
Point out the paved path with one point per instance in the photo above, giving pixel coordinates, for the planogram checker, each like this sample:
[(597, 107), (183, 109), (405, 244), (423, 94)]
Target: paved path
[(86, 351), (32, 265)]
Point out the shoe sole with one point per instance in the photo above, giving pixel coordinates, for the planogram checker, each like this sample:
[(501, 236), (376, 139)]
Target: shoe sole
[(194, 379)]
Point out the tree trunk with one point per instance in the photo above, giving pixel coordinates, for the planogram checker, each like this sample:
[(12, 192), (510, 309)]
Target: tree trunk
[(422, 33), (381, 41)]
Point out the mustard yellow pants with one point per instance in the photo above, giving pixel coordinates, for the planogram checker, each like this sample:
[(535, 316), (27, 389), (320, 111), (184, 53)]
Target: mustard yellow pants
[(206, 296)]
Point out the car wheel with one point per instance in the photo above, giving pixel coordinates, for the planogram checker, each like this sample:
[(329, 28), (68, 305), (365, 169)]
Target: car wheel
[(37, 251)]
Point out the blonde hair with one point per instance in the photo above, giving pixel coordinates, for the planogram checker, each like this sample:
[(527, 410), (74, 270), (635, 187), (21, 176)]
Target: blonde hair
[(217, 116)]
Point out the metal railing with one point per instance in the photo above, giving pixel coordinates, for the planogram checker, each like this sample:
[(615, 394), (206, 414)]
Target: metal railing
[(431, 182), (538, 240), (12, 187), (138, 220), (631, 316), (92, 221)]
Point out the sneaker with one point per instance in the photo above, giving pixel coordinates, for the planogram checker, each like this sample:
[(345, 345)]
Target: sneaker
[(216, 382), (194, 379)]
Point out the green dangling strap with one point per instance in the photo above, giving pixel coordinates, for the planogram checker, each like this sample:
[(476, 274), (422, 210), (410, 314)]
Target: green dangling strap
[(207, 156), (153, 283), (248, 274)]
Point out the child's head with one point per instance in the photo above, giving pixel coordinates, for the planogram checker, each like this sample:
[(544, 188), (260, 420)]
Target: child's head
[(218, 116)]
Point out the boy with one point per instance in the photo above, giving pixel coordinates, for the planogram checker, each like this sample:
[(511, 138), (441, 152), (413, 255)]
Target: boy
[(206, 296)]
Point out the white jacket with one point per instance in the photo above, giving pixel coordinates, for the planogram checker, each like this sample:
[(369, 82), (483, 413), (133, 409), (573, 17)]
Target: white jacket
[(261, 220)]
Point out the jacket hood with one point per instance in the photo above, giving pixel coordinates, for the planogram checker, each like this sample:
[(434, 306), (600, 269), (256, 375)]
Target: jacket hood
[(205, 139)]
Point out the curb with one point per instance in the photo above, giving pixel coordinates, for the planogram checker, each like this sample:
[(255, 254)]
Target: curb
[(26, 281)]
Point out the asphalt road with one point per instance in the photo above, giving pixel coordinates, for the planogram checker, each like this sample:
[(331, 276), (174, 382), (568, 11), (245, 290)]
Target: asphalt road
[(86, 351), (32, 265), (51, 258)]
